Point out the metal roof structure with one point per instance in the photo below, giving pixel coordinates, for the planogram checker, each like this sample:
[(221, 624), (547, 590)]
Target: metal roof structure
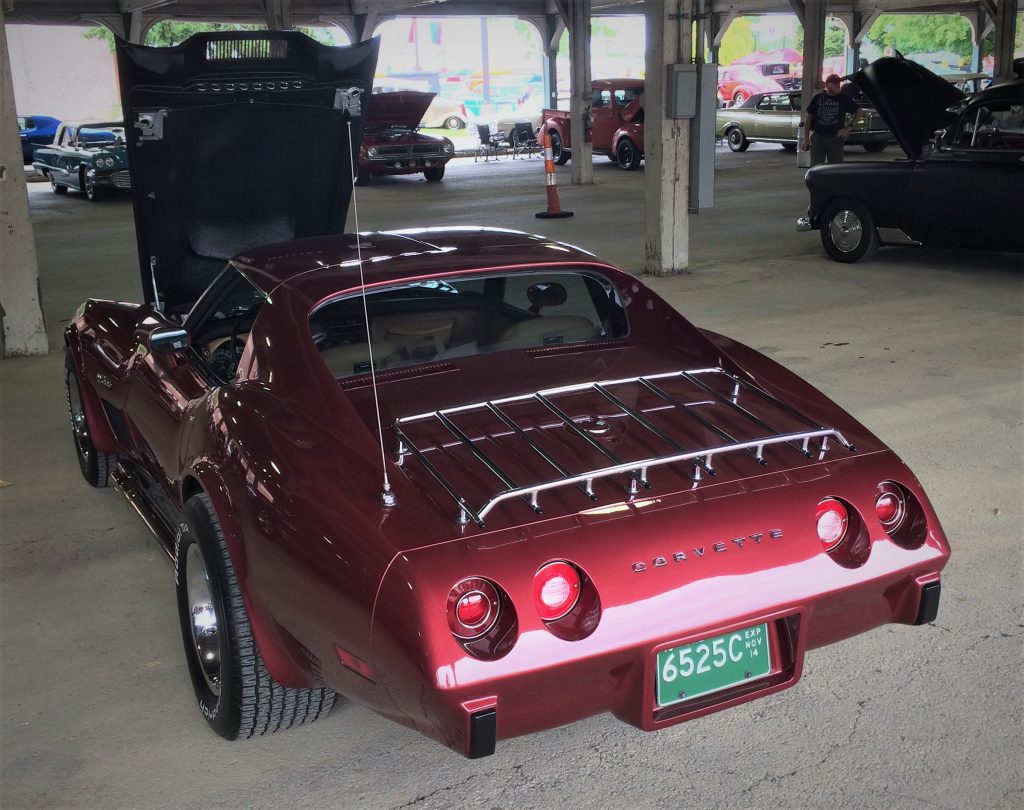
[(360, 17)]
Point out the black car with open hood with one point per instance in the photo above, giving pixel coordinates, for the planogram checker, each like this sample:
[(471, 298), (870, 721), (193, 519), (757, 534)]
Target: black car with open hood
[(960, 185), (237, 139)]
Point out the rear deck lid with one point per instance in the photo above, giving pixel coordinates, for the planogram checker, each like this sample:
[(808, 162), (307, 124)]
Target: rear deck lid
[(237, 139), (912, 100)]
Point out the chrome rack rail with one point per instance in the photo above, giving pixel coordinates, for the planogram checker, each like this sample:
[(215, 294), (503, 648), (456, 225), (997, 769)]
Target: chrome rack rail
[(636, 471)]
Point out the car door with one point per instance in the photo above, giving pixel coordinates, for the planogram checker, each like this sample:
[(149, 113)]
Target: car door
[(605, 119)]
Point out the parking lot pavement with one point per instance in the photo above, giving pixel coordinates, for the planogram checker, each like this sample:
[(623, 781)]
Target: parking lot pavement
[(924, 347)]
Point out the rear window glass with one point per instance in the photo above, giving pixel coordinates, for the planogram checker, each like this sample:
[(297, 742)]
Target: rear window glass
[(427, 321)]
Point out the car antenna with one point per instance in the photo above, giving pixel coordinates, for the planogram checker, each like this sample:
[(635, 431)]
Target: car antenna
[(387, 495)]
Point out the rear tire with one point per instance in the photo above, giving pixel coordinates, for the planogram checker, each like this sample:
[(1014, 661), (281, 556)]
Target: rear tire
[(627, 155), (95, 464), (454, 122), (875, 147), (848, 231), (235, 692), (737, 140), (559, 155)]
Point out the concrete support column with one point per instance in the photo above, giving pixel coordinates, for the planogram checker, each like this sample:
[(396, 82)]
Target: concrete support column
[(23, 329), (1006, 23), (666, 141), (814, 46), (581, 93)]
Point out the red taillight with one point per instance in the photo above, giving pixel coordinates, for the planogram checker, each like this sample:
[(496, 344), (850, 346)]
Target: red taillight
[(831, 519), (556, 589), (890, 508), (472, 608)]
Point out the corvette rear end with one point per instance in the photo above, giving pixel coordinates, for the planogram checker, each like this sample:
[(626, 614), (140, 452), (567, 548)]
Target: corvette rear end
[(778, 537)]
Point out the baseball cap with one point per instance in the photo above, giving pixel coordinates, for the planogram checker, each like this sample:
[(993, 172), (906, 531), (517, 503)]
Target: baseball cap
[(833, 78)]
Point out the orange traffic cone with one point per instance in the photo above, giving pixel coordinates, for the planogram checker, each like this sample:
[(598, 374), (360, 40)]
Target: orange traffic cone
[(554, 209)]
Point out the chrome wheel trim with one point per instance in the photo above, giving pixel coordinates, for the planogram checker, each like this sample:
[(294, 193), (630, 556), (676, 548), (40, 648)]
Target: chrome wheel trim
[(202, 618), (79, 427), (846, 231)]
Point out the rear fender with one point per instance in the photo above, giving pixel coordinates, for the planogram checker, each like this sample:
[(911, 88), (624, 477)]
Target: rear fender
[(100, 431), (285, 668)]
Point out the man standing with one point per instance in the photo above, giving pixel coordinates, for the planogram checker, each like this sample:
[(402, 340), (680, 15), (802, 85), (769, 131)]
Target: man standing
[(827, 122)]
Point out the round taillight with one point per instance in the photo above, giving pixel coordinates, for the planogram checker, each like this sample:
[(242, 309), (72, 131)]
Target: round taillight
[(556, 589), (890, 508), (831, 519), (472, 608)]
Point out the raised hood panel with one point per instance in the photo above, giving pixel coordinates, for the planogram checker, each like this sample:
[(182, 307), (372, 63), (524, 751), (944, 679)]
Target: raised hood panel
[(404, 109), (912, 99), (235, 140)]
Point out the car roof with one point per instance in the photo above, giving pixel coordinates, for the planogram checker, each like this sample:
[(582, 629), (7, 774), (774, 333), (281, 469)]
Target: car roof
[(323, 267)]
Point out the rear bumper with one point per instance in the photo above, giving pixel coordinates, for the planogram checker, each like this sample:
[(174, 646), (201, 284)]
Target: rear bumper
[(545, 682)]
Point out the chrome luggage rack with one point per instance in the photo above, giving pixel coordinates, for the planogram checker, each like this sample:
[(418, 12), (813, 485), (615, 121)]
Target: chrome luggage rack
[(652, 385)]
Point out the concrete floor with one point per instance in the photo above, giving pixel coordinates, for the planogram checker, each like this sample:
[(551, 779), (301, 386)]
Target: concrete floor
[(924, 347)]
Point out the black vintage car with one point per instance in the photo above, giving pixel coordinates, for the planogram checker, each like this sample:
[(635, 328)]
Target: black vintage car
[(960, 186)]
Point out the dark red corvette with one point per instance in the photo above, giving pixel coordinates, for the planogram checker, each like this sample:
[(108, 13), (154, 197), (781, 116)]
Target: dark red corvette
[(572, 501)]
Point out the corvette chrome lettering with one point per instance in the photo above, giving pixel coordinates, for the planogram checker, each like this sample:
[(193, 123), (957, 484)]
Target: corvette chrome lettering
[(719, 547)]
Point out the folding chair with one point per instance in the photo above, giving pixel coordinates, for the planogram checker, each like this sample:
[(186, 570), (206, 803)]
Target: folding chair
[(490, 145), (524, 139)]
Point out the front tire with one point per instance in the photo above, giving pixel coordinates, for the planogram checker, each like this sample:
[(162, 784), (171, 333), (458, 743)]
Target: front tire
[(95, 464), (93, 193), (235, 692), (559, 155), (848, 231), (739, 97), (627, 155), (434, 174), (875, 147), (362, 177), (737, 140)]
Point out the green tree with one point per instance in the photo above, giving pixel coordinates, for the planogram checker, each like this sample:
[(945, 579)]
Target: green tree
[(922, 33), (835, 39), (738, 41)]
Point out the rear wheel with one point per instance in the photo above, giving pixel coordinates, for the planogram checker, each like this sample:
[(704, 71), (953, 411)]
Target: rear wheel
[(57, 188), (558, 154), (875, 147), (628, 155), (848, 231), (789, 147), (454, 122), (737, 140), (235, 692), (434, 173), (95, 464)]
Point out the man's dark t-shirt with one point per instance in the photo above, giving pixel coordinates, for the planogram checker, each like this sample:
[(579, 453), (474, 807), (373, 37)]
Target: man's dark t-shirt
[(828, 113)]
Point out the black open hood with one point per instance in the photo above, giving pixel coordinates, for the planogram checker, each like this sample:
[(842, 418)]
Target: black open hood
[(913, 101), (235, 140)]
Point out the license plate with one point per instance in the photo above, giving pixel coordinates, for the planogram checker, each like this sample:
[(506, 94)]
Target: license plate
[(711, 665)]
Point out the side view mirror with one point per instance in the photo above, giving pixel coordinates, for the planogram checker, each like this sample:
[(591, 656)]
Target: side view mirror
[(168, 340)]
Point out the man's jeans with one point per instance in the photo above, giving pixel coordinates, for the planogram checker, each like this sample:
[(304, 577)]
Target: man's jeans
[(830, 149)]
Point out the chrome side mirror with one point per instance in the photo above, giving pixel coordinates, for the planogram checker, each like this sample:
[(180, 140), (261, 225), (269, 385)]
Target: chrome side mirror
[(169, 340)]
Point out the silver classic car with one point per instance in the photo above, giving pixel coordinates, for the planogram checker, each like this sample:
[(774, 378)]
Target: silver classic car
[(88, 157), (774, 117)]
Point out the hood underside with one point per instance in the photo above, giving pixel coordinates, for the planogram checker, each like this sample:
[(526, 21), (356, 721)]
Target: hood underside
[(912, 99), (235, 140), (403, 110)]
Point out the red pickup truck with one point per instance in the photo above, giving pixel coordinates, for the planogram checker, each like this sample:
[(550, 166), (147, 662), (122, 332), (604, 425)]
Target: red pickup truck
[(617, 116)]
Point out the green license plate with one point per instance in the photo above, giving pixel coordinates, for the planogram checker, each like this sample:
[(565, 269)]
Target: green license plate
[(711, 665)]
